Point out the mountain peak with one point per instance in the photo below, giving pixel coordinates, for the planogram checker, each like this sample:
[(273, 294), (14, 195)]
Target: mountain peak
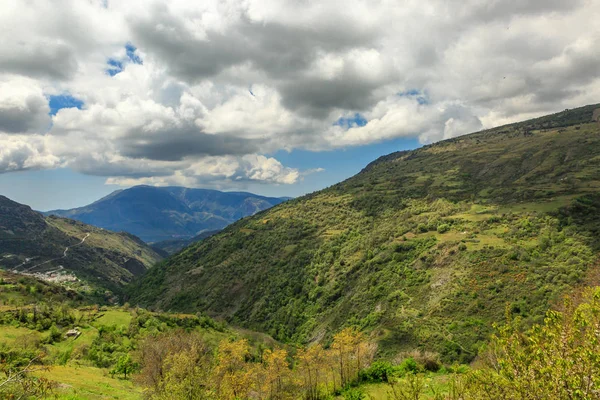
[(162, 213)]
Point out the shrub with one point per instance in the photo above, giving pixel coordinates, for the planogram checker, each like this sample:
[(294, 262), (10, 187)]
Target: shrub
[(409, 365), (354, 394), (54, 335), (443, 228), (428, 360), (379, 371), (557, 360)]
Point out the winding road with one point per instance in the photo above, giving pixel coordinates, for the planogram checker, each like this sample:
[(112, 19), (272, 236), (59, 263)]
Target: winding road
[(59, 258)]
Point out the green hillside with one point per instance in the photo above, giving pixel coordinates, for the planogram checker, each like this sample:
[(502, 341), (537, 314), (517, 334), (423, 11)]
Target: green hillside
[(69, 252), (36, 315), (423, 249)]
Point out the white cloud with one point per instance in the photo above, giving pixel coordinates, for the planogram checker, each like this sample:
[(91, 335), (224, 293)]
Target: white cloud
[(224, 82), (218, 172), (18, 153)]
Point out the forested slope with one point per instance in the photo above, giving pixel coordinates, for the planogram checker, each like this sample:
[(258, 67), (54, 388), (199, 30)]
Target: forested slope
[(423, 248)]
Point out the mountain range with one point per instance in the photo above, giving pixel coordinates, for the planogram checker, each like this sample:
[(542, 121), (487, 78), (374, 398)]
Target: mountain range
[(156, 214), (423, 249)]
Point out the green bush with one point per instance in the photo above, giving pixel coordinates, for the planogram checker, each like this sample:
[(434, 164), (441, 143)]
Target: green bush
[(443, 228), (354, 394), (379, 371), (408, 365), (54, 335)]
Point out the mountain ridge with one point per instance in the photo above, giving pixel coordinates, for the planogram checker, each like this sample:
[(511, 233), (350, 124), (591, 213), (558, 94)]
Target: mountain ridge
[(162, 213), (59, 249)]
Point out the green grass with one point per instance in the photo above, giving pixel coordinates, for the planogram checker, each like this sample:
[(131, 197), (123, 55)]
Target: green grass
[(90, 383), (434, 383), (11, 334), (36, 328), (115, 317), (539, 206), (73, 345)]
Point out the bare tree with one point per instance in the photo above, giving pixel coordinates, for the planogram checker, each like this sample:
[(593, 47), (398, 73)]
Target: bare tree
[(18, 382)]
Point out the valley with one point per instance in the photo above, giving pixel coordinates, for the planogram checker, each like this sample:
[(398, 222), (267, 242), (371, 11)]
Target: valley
[(403, 281)]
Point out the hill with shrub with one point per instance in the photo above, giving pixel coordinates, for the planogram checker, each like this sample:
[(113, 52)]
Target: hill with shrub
[(69, 252), (422, 249)]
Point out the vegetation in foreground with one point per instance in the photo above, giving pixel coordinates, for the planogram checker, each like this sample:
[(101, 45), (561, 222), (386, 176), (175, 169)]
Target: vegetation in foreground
[(556, 360), (53, 341), (132, 354)]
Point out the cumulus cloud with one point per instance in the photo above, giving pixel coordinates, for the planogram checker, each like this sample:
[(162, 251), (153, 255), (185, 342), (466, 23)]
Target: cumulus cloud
[(213, 86), (18, 153), (23, 107), (219, 172), (40, 59)]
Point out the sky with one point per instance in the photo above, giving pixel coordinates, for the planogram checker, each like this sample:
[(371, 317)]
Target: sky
[(275, 97)]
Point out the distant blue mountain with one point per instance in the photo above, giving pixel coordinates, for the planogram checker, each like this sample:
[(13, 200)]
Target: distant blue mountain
[(161, 213)]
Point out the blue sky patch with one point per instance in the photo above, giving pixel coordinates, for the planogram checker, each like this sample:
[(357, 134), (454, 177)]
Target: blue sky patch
[(134, 58), (114, 67), (418, 95), (117, 66), (63, 101), (351, 122)]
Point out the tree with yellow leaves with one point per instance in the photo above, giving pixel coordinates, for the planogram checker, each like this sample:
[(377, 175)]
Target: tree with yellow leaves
[(184, 366), (351, 353), (177, 364), (232, 376), (312, 366), (187, 377), (278, 373)]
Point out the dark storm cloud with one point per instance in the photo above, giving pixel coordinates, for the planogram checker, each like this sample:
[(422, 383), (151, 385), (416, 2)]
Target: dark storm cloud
[(277, 49), (317, 97), (176, 144), (284, 52), (29, 117), (165, 35), (125, 168), (40, 60), (506, 9)]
